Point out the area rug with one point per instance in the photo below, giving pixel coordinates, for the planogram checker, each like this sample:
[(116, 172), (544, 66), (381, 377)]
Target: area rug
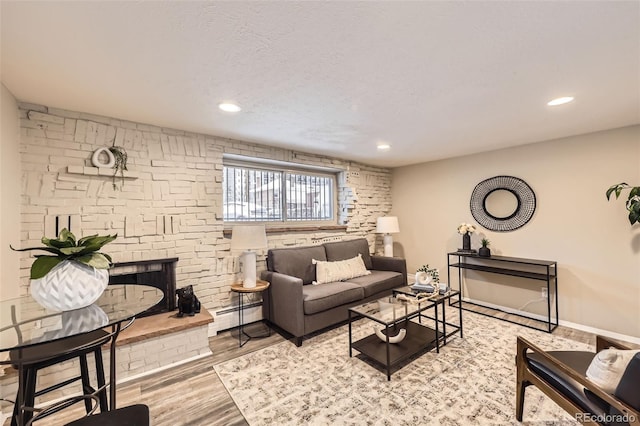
[(470, 382)]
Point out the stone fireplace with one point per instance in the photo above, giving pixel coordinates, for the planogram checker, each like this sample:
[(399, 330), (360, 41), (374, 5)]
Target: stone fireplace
[(159, 273)]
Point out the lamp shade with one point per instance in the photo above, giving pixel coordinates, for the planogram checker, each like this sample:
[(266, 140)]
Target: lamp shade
[(387, 225), (248, 237)]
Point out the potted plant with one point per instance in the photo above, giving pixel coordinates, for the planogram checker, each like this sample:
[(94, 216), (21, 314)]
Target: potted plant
[(425, 274), (74, 275), (485, 251), (633, 202), (120, 155)]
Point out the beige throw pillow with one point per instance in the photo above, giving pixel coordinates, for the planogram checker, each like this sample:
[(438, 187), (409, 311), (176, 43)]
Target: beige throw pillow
[(608, 366), (328, 272)]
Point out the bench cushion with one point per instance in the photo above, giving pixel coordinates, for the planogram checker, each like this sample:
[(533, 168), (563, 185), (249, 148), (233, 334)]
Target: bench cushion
[(573, 390), (318, 298), (628, 389)]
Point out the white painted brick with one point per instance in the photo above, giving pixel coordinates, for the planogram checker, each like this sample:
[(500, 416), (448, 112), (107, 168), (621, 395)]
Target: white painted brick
[(180, 176)]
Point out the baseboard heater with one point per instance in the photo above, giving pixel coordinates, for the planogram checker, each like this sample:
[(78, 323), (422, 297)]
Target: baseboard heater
[(237, 308), (227, 318)]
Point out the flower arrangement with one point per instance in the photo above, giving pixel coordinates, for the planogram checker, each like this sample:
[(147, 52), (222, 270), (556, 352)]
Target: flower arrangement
[(633, 202), (65, 247), (433, 272), (466, 227)]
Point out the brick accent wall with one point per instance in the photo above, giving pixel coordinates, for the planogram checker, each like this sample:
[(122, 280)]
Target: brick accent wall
[(177, 180)]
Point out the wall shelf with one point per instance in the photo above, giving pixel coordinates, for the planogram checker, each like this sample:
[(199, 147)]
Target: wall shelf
[(100, 171), (533, 269)]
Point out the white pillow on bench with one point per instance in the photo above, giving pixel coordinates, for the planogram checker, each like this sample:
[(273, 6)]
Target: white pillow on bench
[(328, 272), (608, 367)]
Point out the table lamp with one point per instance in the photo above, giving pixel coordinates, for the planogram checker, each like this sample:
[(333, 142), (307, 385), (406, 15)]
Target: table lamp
[(388, 225), (248, 238)]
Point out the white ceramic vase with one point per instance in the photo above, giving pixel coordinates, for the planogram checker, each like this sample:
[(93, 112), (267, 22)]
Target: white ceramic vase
[(423, 278), (69, 285)]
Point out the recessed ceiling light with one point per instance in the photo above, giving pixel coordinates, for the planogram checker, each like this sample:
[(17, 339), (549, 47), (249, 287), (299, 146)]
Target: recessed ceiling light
[(383, 146), (560, 101), (228, 107)]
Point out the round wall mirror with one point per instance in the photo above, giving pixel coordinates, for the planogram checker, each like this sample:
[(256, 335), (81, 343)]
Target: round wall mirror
[(503, 203)]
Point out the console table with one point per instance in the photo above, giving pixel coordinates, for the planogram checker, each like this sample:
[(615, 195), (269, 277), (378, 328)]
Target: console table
[(533, 269)]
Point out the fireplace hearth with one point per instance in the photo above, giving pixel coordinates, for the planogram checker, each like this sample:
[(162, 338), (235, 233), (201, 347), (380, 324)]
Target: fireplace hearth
[(159, 273)]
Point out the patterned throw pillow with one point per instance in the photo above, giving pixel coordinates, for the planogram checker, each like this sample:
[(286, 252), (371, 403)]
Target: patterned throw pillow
[(328, 272)]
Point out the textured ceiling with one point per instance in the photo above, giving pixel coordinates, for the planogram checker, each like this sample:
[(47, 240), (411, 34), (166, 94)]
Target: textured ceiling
[(433, 79)]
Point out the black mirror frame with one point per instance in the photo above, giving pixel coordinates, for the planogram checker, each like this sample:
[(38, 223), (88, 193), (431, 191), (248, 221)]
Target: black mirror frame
[(523, 213)]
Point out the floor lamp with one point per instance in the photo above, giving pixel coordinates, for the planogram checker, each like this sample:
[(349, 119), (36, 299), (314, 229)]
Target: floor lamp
[(248, 238), (388, 225)]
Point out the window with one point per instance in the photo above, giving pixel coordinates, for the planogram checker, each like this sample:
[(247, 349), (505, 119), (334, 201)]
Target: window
[(255, 194)]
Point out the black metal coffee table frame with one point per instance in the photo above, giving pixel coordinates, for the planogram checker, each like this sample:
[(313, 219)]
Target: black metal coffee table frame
[(419, 337)]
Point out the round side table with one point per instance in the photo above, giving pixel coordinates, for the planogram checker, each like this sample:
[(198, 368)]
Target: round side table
[(238, 288)]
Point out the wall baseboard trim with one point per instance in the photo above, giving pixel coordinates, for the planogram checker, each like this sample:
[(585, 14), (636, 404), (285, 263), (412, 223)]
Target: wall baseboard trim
[(581, 327), (606, 333)]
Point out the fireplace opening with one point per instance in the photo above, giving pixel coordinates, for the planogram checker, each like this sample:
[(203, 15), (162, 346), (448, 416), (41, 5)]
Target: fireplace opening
[(159, 273)]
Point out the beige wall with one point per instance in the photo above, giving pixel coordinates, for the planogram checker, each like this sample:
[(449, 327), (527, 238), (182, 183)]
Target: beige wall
[(597, 251), (9, 194)]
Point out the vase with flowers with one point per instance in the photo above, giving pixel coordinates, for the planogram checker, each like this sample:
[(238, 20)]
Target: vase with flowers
[(466, 229)]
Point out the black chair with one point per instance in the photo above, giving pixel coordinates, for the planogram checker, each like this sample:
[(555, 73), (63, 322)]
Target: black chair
[(34, 358), (134, 415), (561, 375)]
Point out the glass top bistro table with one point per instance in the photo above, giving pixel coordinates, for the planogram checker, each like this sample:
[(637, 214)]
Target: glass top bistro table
[(24, 323)]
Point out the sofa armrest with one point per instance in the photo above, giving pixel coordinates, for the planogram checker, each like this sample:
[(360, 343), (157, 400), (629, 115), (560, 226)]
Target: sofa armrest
[(396, 264), (285, 304)]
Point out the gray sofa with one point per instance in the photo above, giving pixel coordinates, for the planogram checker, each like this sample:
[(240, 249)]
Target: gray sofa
[(295, 305)]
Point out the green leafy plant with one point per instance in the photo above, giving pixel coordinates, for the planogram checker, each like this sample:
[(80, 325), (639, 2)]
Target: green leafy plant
[(433, 272), (65, 247), (485, 242), (121, 157), (633, 202)]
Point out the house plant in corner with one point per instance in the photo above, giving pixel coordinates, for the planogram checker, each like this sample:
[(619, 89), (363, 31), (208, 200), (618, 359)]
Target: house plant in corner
[(633, 202), (74, 275)]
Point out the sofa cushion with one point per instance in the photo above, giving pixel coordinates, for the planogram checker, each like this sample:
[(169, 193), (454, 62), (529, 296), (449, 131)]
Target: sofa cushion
[(318, 298), (296, 261), (378, 281), (340, 270), (342, 250)]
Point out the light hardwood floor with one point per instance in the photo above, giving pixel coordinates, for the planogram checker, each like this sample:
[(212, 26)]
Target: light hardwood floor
[(192, 394)]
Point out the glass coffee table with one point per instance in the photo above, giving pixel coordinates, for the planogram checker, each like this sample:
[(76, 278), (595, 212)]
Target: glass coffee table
[(396, 314), (439, 300)]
